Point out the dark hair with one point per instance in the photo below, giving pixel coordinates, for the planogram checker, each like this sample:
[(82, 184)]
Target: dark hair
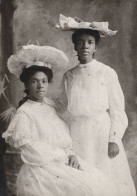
[(80, 32), (28, 72)]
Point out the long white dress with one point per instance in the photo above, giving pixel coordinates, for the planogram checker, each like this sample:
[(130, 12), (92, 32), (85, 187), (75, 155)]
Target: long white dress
[(45, 145), (96, 101)]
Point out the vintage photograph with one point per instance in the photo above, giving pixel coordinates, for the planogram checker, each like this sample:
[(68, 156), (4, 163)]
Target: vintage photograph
[(68, 98)]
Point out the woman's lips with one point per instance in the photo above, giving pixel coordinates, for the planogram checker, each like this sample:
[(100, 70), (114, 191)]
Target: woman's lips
[(85, 52), (40, 91)]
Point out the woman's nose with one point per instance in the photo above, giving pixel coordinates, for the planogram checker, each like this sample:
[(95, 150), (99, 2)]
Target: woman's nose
[(39, 84), (85, 45)]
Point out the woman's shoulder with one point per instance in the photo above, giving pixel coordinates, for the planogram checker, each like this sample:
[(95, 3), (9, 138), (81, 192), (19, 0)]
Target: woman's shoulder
[(19, 116), (24, 109), (107, 69), (72, 70), (109, 74)]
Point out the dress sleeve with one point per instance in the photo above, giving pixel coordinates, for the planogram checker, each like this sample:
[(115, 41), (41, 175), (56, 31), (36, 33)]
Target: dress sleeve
[(41, 153), (19, 130), (69, 150), (21, 134), (61, 102), (37, 153), (119, 121)]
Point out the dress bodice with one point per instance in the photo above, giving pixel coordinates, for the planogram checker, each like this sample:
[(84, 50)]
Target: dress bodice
[(40, 122), (49, 127), (86, 89)]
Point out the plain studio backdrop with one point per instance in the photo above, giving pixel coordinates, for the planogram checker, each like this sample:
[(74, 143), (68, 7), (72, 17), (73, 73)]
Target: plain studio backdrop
[(33, 21)]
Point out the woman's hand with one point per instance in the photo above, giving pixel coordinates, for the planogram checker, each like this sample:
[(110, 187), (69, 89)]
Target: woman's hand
[(113, 149), (10, 140), (73, 162)]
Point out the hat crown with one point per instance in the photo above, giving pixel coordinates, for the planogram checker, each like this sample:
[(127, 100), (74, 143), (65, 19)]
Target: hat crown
[(84, 24), (46, 56), (72, 24)]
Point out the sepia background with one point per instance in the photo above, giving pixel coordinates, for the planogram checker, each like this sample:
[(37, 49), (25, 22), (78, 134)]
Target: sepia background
[(33, 21)]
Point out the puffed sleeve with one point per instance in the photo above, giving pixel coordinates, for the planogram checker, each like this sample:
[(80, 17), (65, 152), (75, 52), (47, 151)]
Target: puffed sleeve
[(19, 131), (22, 134), (119, 121), (62, 102)]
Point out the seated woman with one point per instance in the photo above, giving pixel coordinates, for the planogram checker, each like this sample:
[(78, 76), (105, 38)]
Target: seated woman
[(43, 137)]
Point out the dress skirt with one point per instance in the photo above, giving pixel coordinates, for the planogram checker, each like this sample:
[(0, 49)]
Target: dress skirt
[(90, 137)]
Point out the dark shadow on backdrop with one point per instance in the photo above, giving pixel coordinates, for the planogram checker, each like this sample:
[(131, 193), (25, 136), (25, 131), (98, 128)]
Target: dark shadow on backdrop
[(7, 8)]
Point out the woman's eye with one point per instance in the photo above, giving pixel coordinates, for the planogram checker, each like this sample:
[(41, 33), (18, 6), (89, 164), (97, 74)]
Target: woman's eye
[(34, 82), (45, 81)]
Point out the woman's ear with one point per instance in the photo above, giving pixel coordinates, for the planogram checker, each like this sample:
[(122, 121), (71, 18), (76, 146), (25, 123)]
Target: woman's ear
[(26, 87), (26, 91), (75, 48), (95, 49), (94, 52), (51, 81)]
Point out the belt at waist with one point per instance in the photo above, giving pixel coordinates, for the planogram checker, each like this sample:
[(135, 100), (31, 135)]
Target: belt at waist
[(93, 114)]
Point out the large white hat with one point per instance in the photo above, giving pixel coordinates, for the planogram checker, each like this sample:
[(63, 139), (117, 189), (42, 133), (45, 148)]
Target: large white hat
[(72, 24), (29, 55)]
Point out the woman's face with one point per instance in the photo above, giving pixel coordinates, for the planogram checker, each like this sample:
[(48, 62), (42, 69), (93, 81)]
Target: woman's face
[(37, 86), (85, 47)]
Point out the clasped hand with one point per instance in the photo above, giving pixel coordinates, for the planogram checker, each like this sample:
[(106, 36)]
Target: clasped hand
[(113, 149), (73, 162)]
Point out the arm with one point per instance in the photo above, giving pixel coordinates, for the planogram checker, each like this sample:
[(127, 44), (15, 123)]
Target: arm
[(72, 158), (22, 134), (118, 116), (37, 153), (18, 132), (61, 102)]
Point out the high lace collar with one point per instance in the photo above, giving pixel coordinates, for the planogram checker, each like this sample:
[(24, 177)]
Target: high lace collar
[(46, 100), (87, 65)]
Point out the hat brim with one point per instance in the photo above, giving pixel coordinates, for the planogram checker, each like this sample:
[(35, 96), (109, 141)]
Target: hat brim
[(30, 54), (102, 33)]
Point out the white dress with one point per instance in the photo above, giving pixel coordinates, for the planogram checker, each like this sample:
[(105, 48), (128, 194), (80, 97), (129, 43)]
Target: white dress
[(45, 144), (96, 101)]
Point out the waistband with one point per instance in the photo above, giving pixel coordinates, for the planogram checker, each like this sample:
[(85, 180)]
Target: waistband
[(94, 114)]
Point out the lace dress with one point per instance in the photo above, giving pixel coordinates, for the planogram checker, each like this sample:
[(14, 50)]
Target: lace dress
[(96, 102), (45, 145)]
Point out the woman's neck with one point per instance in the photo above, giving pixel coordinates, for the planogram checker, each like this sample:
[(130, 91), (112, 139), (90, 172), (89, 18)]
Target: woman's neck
[(36, 100), (85, 61)]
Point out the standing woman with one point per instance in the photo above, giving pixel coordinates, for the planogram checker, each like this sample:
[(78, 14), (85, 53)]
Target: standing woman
[(96, 101)]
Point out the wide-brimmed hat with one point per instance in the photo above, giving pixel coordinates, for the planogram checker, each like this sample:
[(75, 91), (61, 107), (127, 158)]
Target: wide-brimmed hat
[(72, 24), (29, 55)]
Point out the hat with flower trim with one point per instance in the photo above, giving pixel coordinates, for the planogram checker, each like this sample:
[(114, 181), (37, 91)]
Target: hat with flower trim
[(72, 24), (29, 55)]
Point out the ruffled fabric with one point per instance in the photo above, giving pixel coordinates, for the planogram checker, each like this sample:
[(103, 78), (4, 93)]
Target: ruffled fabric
[(45, 145), (68, 23), (18, 135), (37, 55)]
